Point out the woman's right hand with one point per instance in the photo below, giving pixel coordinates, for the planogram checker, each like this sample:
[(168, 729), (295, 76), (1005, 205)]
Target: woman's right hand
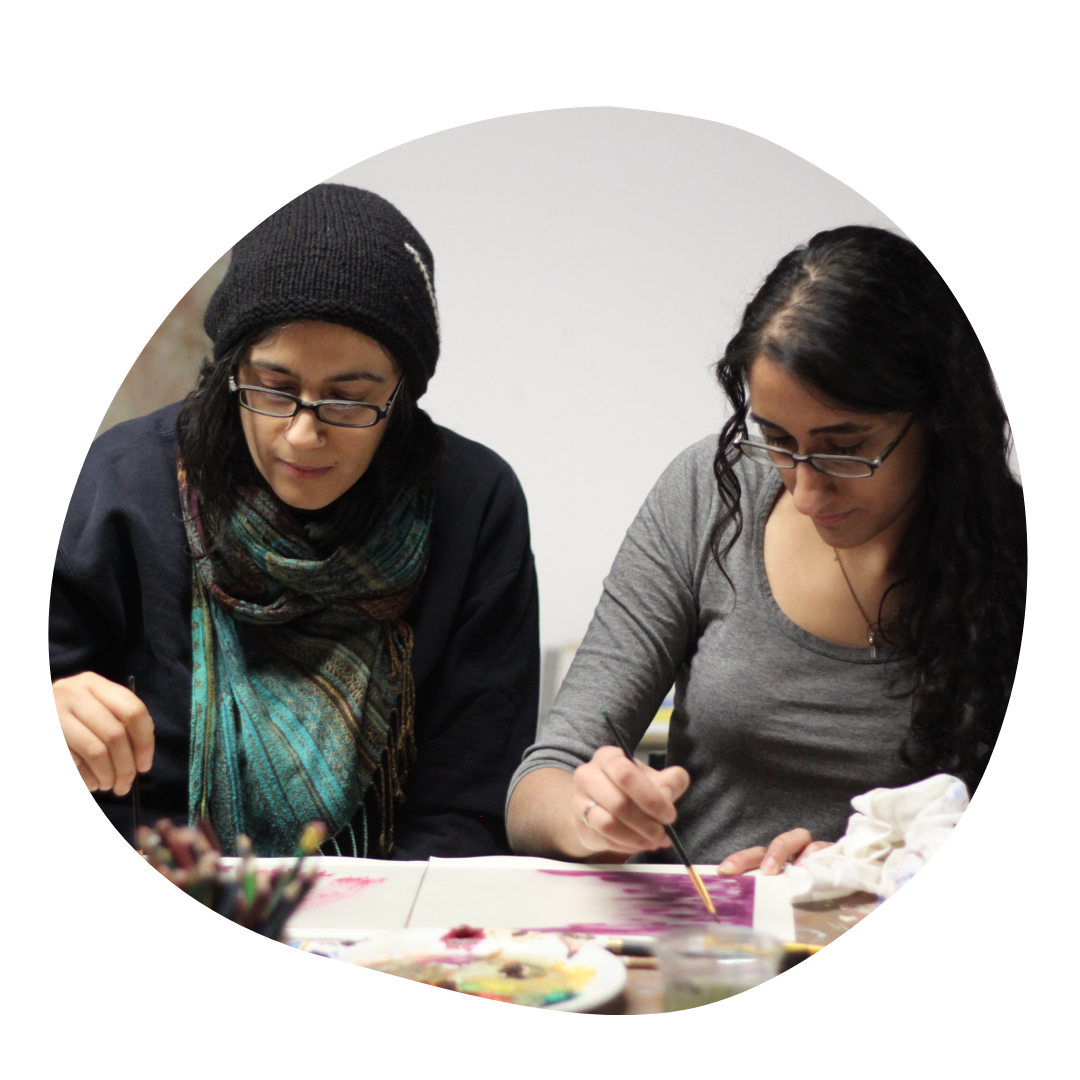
[(107, 729), (622, 805)]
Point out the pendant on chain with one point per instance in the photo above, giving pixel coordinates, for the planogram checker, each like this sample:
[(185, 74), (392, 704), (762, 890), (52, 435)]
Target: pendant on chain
[(858, 603)]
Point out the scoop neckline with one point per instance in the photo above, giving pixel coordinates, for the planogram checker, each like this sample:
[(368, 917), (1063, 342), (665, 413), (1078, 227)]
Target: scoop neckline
[(766, 500)]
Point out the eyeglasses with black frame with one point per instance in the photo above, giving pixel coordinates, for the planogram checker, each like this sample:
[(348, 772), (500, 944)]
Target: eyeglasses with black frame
[(850, 468), (277, 403)]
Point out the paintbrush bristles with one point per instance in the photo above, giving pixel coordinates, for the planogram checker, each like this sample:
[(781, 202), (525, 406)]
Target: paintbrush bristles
[(695, 877)]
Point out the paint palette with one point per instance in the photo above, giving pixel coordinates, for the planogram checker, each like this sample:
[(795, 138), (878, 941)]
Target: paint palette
[(539, 970)]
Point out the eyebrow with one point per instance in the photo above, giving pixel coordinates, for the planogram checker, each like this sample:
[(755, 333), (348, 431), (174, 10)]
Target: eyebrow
[(847, 428), (346, 376)]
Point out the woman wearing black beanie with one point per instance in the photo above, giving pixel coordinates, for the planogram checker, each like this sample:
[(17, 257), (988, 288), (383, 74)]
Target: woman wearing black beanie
[(293, 597)]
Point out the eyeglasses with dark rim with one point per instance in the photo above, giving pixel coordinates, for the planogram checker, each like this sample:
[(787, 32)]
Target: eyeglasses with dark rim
[(850, 468), (277, 403)]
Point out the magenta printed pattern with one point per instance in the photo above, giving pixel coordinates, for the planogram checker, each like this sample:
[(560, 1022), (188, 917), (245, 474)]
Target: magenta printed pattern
[(647, 904)]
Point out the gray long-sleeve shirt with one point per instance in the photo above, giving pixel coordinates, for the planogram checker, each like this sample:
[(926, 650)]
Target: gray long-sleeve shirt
[(777, 728)]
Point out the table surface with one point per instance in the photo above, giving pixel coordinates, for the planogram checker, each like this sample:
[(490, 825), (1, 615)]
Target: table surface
[(815, 924)]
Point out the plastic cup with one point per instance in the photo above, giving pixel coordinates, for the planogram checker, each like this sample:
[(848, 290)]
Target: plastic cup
[(702, 964)]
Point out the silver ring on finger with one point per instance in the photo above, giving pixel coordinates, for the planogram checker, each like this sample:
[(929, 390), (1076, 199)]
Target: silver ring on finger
[(585, 813)]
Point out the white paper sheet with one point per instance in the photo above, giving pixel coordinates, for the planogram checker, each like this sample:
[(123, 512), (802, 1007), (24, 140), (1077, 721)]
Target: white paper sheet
[(544, 894), (352, 895)]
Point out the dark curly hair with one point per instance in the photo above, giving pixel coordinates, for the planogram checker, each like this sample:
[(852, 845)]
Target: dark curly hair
[(217, 460), (861, 316)]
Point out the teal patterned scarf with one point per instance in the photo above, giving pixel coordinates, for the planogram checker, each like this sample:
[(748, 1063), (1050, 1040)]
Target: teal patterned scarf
[(302, 694)]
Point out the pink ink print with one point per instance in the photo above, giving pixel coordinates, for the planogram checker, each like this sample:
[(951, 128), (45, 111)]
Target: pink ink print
[(652, 903), (329, 889)]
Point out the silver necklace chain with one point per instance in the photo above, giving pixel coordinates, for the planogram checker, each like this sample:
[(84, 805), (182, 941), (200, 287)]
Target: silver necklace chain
[(862, 611)]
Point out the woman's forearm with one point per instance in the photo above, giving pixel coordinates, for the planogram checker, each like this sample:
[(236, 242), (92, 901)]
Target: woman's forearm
[(538, 817)]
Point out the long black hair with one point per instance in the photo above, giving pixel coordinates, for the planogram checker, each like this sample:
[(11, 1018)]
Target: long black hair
[(861, 317), (217, 461)]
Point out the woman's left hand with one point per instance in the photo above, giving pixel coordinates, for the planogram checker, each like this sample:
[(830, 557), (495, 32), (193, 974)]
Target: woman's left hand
[(788, 847)]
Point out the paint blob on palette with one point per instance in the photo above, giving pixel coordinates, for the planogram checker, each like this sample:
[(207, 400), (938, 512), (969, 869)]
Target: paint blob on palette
[(647, 904)]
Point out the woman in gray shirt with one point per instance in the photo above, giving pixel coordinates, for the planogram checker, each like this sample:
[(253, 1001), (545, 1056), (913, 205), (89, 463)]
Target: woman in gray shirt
[(835, 586)]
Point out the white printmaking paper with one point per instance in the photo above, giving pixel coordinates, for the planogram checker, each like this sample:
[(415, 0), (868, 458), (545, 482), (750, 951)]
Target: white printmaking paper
[(626, 901), (352, 895)]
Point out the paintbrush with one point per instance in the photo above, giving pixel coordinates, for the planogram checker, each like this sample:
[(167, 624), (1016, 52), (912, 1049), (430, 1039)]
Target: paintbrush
[(676, 843), (135, 788)]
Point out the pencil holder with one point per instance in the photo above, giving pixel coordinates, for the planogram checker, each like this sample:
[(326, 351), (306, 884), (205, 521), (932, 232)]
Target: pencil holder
[(258, 899)]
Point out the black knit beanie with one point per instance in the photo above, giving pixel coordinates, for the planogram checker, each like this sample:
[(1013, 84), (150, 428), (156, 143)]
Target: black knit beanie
[(334, 254)]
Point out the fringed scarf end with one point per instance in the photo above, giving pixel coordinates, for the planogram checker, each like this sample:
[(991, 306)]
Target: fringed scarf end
[(393, 769)]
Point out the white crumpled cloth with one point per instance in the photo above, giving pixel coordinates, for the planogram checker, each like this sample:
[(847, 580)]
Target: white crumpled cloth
[(889, 838)]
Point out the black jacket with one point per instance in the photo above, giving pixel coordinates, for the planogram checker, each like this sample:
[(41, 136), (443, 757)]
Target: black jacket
[(121, 606)]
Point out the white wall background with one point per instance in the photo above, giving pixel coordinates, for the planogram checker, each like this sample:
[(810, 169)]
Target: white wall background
[(590, 266)]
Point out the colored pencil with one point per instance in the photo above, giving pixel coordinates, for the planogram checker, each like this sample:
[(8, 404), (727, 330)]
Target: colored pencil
[(638, 948)]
